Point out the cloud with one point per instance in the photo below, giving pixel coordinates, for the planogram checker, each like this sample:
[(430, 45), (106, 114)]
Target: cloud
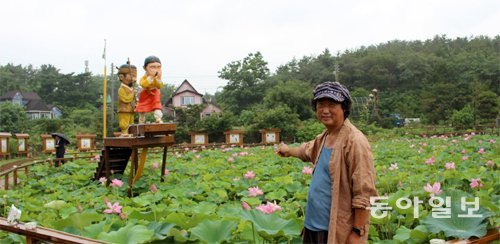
[(195, 39)]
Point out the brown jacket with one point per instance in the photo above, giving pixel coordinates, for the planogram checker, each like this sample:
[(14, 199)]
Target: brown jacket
[(353, 173)]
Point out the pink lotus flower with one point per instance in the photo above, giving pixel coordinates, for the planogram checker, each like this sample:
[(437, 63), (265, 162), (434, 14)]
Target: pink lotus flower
[(464, 158), (96, 158), (489, 163), (155, 165), (307, 170), (393, 166), (234, 155), (103, 180), (481, 151), (475, 183), (463, 151), (194, 151), (202, 147), (249, 175), (450, 165), (112, 208), (245, 205), (230, 159), (122, 216), (269, 208), (153, 188), (243, 153), (254, 191), (167, 172), (116, 183), (430, 161), (492, 141), (434, 189), (186, 149), (197, 156)]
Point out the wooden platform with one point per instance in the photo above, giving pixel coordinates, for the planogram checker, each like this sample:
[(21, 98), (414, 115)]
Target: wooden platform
[(142, 136)]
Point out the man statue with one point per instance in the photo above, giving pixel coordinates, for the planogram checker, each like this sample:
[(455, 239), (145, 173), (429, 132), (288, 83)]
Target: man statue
[(128, 76)]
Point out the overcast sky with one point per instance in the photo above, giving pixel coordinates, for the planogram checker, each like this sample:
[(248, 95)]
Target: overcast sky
[(196, 39)]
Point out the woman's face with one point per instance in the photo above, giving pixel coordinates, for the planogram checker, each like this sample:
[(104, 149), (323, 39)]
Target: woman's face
[(329, 113)]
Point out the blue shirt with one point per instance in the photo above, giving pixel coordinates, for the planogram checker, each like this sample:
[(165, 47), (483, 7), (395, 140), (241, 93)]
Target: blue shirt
[(319, 197)]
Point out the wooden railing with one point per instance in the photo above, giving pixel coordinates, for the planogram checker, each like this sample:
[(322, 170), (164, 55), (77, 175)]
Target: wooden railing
[(40, 234)]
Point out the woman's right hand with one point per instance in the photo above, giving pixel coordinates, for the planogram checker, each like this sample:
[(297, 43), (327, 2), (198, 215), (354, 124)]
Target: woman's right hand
[(283, 150)]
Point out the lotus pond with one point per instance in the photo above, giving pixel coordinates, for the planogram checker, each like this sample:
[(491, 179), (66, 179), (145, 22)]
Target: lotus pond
[(250, 195)]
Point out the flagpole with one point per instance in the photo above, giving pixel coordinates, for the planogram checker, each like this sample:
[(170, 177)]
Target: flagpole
[(104, 94)]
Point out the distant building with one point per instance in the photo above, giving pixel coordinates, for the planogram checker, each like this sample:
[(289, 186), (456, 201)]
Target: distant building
[(35, 107), (186, 95)]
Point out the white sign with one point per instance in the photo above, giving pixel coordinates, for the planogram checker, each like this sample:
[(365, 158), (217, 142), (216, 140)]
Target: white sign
[(21, 147), (270, 137), (234, 138), (199, 139), (4, 145), (49, 144), (85, 143)]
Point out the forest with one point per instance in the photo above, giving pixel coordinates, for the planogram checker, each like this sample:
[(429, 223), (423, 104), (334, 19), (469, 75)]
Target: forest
[(441, 81)]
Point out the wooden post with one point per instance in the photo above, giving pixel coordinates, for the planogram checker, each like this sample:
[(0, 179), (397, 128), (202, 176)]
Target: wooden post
[(15, 177), (6, 182), (163, 164)]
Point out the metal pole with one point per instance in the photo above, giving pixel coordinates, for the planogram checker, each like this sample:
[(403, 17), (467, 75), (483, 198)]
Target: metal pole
[(104, 94), (112, 96)]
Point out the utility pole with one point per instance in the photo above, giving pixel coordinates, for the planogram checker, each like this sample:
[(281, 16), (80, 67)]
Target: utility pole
[(336, 72), (104, 94), (112, 96)]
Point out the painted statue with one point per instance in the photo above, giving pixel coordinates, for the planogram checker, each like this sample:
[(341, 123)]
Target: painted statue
[(126, 96), (149, 97)]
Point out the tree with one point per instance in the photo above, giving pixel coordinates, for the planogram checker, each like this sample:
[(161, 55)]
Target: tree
[(295, 94), (487, 107), (12, 118), (16, 77), (216, 124), (463, 118), (246, 83)]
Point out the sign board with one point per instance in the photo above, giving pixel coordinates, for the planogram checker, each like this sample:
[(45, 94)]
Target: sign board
[(234, 137), (270, 136)]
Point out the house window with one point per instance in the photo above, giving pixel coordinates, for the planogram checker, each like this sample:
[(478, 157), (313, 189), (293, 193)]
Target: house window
[(187, 100)]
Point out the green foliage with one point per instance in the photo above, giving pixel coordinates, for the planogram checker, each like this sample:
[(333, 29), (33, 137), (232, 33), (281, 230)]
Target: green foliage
[(129, 234), (487, 108), (216, 124), (456, 226), (245, 85), (463, 118), (214, 231), (12, 118), (291, 94), (309, 130), (278, 117)]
